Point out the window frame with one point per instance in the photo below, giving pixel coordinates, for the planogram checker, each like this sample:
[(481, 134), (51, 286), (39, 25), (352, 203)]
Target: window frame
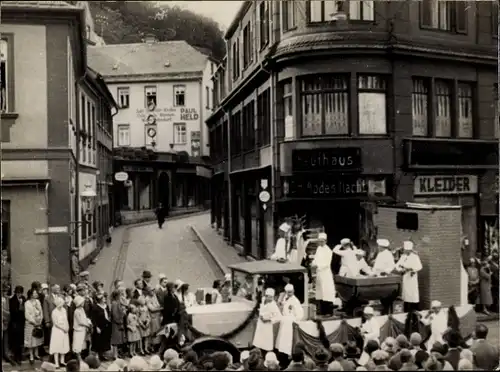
[(10, 106), (264, 121), (120, 127), (120, 94), (146, 96), (264, 23), (288, 12), (340, 6), (361, 4), (184, 88), (236, 134), (428, 103), (236, 59), (248, 127), (176, 132), (386, 80), (247, 45), (453, 16), (449, 84), (459, 100)]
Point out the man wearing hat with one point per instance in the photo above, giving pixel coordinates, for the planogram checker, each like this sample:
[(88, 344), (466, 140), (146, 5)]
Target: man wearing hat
[(75, 264), (146, 279), (384, 262), (269, 314), (282, 245), (292, 311), (348, 263), (409, 265), (85, 279), (325, 286), (438, 321), (362, 267)]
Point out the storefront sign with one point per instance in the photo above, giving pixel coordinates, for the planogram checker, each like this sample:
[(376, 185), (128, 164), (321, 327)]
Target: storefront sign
[(121, 176), (439, 185), (189, 114), (134, 168), (331, 187), (337, 159), (158, 115)]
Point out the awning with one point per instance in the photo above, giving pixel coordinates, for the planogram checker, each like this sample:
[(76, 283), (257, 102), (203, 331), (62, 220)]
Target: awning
[(24, 181)]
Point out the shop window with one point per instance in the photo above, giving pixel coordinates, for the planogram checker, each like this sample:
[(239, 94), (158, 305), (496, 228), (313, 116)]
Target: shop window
[(150, 97), (180, 192), (249, 126), (264, 118), (179, 95), (123, 97), (288, 11), (372, 104), (465, 111), (145, 191), (325, 105), (123, 135), (420, 105), (264, 22), (444, 15), (288, 110), (443, 109), (180, 134)]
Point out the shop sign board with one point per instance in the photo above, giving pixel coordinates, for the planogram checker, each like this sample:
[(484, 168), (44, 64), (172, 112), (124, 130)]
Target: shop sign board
[(445, 185), (189, 114), (157, 115), (333, 187), (121, 176), (328, 159)]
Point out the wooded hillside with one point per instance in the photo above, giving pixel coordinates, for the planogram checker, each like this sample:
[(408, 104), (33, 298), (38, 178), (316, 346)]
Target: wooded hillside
[(119, 22)]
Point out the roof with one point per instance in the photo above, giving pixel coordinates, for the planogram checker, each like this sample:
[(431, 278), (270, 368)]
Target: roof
[(37, 4), (267, 267), (98, 81), (245, 5), (146, 59)]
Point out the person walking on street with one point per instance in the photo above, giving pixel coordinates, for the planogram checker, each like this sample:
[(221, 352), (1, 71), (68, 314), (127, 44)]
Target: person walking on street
[(485, 287), (160, 215)]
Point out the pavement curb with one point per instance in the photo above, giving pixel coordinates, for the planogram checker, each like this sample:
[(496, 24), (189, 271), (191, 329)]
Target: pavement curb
[(203, 242)]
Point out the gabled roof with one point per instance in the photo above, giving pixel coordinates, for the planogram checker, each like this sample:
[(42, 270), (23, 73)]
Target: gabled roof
[(36, 4), (146, 59)]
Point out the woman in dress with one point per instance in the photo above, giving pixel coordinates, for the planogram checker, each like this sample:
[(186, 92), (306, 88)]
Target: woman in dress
[(117, 323), (101, 320), (133, 333), (59, 337), (81, 326), (33, 330), (155, 312)]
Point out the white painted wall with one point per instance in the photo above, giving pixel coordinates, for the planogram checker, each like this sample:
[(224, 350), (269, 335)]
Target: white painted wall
[(166, 114)]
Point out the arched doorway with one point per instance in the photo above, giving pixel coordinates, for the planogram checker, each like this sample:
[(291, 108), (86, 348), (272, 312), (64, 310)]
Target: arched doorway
[(164, 190)]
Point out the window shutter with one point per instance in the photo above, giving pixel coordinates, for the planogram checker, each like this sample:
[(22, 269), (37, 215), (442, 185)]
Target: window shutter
[(461, 16)]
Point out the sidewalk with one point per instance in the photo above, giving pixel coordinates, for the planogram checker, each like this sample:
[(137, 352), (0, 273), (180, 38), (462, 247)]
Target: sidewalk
[(223, 254)]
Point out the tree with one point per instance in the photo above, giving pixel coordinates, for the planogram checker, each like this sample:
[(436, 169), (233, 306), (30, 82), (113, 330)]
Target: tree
[(119, 22)]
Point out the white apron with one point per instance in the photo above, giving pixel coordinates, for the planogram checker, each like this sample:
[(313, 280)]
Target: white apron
[(349, 263), (384, 262), (409, 290), (280, 249), (292, 312), (439, 325), (264, 332), (325, 286)]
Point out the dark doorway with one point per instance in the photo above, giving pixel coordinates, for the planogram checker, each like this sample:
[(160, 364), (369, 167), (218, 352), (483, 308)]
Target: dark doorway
[(164, 190)]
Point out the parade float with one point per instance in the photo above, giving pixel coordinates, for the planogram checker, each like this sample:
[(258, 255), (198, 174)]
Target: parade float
[(231, 326)]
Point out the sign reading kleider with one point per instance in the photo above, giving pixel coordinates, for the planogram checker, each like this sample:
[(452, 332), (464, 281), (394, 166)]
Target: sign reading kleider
[(443, 185)]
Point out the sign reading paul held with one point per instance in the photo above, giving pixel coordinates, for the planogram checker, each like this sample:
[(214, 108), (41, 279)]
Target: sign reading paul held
[(445, 185)]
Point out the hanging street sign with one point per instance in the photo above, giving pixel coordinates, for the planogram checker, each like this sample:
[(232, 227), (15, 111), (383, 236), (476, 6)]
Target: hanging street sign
[(121, 176), (264, 183)]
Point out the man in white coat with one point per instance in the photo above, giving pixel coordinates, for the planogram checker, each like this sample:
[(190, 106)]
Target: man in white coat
[(292, 312), (370, 330), (409, 265), (384, 262), (362, 267), (438, 320), (281, 248), (269, 314), (325, 286), (348, 263)]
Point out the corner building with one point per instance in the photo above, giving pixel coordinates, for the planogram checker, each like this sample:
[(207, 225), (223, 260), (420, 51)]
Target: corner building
[(397, 103)]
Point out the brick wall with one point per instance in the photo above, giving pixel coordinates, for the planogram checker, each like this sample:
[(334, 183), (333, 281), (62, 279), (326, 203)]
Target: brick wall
[(438, 244)]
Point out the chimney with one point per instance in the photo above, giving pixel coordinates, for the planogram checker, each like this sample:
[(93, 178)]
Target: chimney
[(150, 39)]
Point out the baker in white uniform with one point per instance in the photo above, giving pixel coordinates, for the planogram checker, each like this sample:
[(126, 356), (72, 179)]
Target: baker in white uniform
[(348, 263), (292, 311), (409, 265), (384, 262), (362, 267), (438, 320), (301, 244), (325, 286), (269, 313), (281, 248), (370, 330)]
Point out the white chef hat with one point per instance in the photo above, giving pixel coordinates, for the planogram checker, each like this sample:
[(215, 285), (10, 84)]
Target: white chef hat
[(162, 276), (289, 288), (322, 236), (345, 241), (44, 286), (269, 292), (368, 310), (408, 245), (228, 277), (178, 283), (436, 303), (284, 227), (360, 252), (383, 243)]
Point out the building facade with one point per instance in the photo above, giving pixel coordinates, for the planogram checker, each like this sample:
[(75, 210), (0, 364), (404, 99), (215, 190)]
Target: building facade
[(49, 141), (335, 107), (160, 141)]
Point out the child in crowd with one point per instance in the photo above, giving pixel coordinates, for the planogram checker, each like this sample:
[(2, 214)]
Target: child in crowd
[(144, 324), (133, 333), (81, 327)]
